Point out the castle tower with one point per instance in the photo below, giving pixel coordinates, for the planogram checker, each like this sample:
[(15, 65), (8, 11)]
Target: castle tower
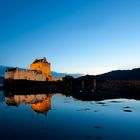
[(41, 65)]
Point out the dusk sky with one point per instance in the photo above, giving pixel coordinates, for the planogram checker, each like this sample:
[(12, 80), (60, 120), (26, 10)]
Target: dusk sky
[(76, 36)]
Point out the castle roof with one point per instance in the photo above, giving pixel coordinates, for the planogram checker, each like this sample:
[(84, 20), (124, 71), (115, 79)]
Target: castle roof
[(40, 60)]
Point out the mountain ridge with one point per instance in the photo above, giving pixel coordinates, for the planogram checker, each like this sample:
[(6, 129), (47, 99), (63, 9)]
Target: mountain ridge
[(57, 75), (133, 74)]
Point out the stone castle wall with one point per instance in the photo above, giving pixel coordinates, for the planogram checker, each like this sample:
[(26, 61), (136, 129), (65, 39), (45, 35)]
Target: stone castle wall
[(25, 75)]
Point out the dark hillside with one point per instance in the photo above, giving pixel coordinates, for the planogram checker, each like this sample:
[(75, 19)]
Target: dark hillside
[(133, 74)]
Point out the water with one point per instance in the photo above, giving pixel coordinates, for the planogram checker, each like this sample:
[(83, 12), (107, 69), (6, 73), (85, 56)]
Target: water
[(55, 116)]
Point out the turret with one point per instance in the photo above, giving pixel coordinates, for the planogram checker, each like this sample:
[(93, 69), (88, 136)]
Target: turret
[(44, 60)]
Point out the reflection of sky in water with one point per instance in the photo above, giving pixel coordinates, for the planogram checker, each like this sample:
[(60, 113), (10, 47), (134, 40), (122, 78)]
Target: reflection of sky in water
[(72, 119)]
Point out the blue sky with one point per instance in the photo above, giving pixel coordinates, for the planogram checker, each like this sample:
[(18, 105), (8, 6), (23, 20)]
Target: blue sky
[(76, 36)]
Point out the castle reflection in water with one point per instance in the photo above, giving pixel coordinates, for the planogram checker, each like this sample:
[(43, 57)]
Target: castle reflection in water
[(40, 103)]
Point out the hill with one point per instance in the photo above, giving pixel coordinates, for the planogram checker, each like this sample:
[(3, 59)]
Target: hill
[(133, 74), (2, 70), (1, 80), (58, 75)]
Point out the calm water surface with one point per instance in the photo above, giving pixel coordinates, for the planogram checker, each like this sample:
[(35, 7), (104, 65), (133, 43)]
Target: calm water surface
[(57, 117)]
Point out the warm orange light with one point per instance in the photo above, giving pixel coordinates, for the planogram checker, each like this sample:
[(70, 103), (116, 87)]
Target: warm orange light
[(42, 107)]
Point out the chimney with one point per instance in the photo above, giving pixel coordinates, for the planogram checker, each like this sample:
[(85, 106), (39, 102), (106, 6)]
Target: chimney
[(44, 59)]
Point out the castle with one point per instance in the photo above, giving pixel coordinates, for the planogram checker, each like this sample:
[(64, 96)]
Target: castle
[(40, 70)]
